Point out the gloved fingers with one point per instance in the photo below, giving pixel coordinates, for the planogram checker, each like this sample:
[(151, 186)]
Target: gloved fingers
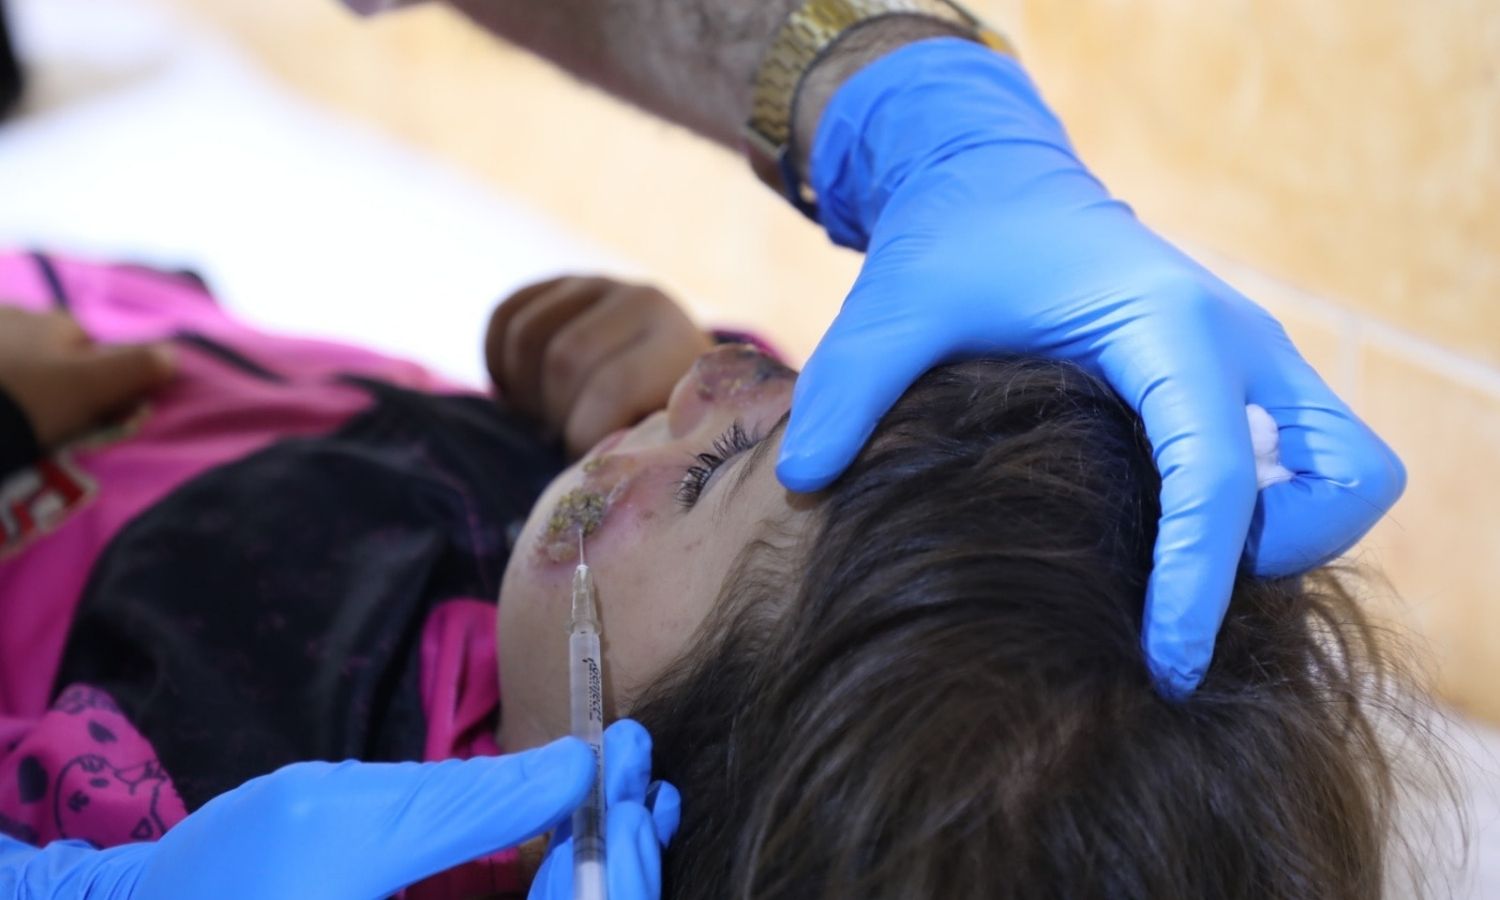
[(633, 853), (1345, 479), (1195, 417), (410, 821), (877, 346), (70, 868), (641, 819), (364, 830), (466, 808), (554, 878), (627, 762), (665, 803)]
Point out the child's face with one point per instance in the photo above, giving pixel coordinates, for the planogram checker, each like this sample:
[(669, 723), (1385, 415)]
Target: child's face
[(658, 563)]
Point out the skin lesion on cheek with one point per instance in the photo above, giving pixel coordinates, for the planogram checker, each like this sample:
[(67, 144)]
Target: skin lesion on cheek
[(580, 511), (585, 508)]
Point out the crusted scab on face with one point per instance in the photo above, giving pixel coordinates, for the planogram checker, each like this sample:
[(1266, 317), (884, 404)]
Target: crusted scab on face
[(579, 510), (736, 368)]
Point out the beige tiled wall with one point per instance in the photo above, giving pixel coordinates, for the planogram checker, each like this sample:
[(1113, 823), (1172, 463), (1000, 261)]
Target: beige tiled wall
[(1338, 161), (1351, 146), (1441, 544)]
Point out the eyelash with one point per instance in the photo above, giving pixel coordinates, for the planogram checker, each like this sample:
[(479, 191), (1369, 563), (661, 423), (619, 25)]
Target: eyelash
[(726, 447)]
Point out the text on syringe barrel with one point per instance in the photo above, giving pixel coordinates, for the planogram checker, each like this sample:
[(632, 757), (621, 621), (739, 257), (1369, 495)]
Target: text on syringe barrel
[(587, 713)]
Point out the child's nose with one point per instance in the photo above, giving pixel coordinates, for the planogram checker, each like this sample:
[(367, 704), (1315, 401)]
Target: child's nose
[(729, 375)]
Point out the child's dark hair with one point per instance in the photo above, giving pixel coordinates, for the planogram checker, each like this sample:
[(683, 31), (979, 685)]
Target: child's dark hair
[(942, 693)]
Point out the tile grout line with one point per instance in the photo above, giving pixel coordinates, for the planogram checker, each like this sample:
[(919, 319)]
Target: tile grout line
[(1445, 361), (1355, 327), (1351, 361)]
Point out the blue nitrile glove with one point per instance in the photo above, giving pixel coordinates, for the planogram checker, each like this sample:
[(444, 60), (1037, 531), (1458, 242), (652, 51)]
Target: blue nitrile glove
[(985, 234), (641, 818), (351, 830)]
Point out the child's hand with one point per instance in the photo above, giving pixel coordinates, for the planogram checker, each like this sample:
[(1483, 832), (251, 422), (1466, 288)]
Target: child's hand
[(63, 381), (586, 356)]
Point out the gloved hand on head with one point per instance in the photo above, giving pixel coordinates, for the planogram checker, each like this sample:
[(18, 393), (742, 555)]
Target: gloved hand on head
[(986, 235)]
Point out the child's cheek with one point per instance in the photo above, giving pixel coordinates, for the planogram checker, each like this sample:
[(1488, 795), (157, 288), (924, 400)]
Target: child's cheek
[(614, 508)]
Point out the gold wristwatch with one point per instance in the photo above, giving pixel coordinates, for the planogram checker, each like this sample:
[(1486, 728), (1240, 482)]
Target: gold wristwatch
[(803, 38)]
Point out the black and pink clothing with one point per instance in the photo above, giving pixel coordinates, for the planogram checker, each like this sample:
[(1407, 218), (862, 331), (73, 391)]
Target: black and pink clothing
[(292, 553)]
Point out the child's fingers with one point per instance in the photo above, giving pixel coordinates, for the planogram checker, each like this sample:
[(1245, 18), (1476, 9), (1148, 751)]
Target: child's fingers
[(614, 326), (620, 393), (97, 382), (628, 387), (64, 332), (534, 328), (500, 319), (530, 329)]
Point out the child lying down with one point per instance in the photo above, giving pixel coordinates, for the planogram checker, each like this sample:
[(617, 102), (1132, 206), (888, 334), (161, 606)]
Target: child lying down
[(925, 681)]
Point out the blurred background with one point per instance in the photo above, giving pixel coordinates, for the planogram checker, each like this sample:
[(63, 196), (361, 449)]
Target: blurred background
[(385, 181)]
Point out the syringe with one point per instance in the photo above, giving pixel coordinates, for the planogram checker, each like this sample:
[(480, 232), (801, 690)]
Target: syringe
[(586, 682)]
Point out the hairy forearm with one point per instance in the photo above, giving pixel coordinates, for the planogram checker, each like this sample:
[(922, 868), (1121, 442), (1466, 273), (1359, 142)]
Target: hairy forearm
[(690, 61)]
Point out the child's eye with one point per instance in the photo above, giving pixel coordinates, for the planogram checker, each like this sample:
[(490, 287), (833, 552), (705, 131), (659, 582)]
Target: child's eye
[(725, 447)]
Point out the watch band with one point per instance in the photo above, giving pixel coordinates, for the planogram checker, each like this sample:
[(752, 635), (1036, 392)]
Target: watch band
[(806, 34)]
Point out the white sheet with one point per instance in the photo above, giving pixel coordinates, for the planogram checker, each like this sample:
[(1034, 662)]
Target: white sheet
[(155, 142)]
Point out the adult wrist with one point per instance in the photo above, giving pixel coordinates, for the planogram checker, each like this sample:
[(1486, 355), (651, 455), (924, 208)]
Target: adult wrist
[(854, 50), (818, 45)]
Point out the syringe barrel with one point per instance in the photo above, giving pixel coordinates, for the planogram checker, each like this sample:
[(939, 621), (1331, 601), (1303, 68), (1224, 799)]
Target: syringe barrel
[(586, 686), (586, 683)]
